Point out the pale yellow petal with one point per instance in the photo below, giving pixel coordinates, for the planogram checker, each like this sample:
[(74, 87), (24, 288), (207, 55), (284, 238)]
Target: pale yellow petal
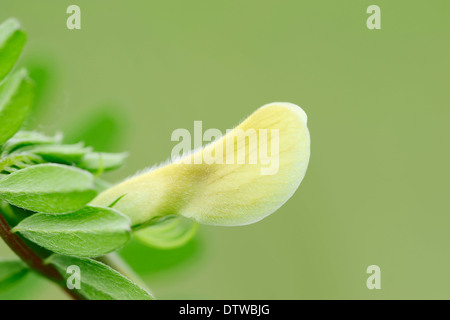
[(221, 193)]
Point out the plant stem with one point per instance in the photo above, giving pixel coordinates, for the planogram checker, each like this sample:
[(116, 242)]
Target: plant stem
[(33, 260)]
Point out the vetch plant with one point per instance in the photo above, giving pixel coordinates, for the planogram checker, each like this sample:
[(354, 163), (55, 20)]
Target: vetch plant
[(56, 212)]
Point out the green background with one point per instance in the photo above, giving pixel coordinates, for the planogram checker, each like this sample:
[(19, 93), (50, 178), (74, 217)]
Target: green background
[(377, 188)]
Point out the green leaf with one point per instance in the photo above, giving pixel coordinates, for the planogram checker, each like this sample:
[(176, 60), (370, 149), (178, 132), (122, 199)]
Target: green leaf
[(16, 98), (169, 233), (48, 188), (28, 138), (89, 232), (12, 40), (66, 154), (11, 272), (100, 161), (98, 281)]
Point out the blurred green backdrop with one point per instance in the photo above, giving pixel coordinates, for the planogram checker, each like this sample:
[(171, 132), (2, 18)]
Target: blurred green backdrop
[(377, 188)]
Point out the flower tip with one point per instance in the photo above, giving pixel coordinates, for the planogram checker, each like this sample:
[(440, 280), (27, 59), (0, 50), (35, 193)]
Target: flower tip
[(291, 107)]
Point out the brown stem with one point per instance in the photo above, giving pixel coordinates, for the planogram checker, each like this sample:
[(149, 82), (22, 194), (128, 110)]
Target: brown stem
[(33, 260)]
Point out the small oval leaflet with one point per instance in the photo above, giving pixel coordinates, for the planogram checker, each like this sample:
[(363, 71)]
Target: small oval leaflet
[(24, 139), (98, 281), (16, 98), (48, 188), (89, 232), (12, 40), (64, 154)]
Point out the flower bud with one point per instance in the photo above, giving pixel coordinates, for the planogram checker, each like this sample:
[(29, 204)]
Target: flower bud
[(238, 179)]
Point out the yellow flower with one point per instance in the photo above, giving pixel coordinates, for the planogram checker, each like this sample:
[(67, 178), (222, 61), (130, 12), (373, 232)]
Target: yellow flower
[(238, 179)]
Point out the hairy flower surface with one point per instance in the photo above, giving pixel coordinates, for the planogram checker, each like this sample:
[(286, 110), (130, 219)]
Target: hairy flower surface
[(226, 191)]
